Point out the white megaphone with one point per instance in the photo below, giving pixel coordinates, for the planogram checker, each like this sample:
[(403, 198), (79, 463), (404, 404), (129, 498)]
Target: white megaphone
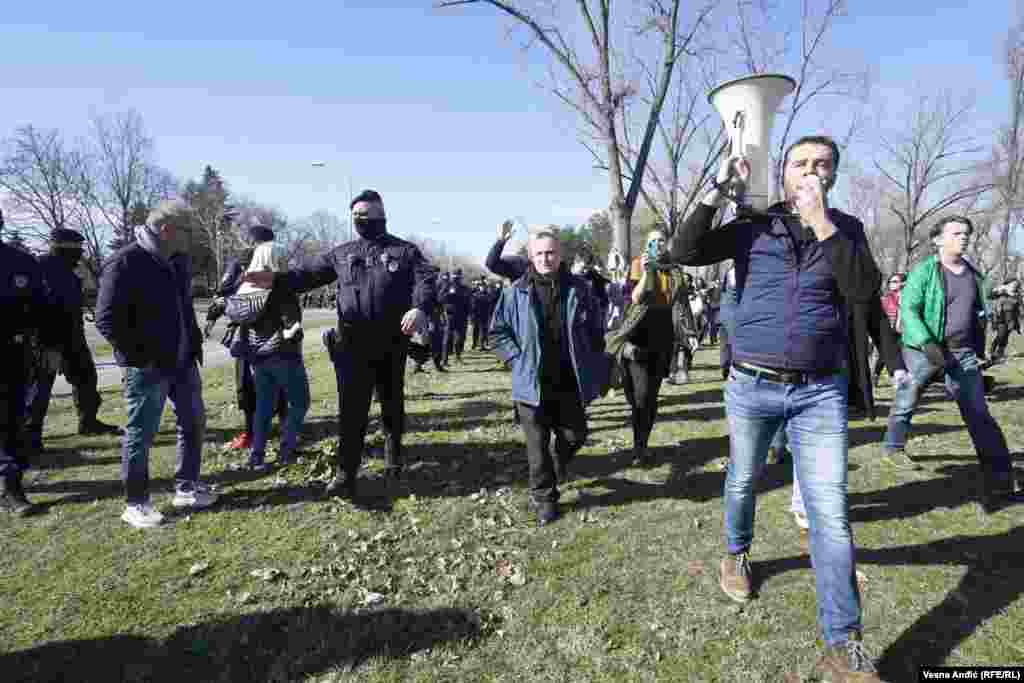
[(747, 106)]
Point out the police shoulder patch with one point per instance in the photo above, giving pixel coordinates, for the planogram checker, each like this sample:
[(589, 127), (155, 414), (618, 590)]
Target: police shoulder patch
[(21, 280)]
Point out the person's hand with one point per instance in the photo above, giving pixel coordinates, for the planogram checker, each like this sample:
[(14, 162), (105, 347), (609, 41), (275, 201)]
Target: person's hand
[(50, 360), (901, 378), (413, 320), (810, 200), (505, 230), (264, 279)]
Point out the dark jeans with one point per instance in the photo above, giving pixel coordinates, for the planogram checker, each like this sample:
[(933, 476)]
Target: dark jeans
[(641, 383), (712, 328), (276, 379), (146, 390), (564, 415), (359, 371), (965, 383)]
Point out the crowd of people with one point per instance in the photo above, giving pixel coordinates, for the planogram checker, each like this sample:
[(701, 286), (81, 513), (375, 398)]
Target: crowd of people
[(797, 312)]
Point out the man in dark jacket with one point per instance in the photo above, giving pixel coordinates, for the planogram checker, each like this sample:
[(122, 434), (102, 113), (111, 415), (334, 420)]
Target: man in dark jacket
[(548, 327), (77, 365), (144, 310), (29, 317), (385, 294), (795, 268), (456, 299)]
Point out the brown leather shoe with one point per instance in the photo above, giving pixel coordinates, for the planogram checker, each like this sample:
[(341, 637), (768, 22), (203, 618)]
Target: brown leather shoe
[(847, 663), (734, 577)]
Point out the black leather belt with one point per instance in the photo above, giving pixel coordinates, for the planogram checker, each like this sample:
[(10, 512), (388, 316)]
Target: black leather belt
[(782, 376)]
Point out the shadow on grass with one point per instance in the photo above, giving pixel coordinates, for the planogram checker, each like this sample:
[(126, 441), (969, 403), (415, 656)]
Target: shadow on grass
[(280, 645), (990, 584)]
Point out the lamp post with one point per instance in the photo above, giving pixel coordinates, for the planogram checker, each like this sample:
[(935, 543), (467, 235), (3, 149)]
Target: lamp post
[(348, 216)]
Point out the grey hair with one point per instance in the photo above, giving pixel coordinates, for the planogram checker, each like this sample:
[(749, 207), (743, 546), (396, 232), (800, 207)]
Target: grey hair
[(165, 209)]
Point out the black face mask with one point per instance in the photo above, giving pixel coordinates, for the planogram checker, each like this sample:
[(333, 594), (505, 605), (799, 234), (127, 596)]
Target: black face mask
[(369, 228)]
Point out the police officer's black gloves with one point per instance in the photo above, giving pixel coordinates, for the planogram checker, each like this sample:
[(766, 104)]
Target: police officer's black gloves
[(935, 353)]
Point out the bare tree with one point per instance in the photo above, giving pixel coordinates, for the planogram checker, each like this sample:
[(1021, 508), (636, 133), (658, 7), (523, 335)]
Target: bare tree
[(1008, 161), (124, 175), (597, 87), (930, 168), (39, 175), (799, 48)]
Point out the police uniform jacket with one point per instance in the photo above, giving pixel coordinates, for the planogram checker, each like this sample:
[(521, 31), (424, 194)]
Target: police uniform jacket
[(378, 280), (25, 306), (456, 298)]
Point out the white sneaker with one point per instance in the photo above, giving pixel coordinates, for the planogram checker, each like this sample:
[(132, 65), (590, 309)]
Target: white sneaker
[(194, 498), (142, 516), (292, 331)]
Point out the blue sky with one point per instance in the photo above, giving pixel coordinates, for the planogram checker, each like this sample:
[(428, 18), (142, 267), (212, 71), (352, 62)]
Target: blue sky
[(440, 111)]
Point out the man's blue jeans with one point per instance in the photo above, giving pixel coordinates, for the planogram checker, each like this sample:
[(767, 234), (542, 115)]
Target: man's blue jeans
[(815, 416), (270, 377), (965, 383), (146, 390)]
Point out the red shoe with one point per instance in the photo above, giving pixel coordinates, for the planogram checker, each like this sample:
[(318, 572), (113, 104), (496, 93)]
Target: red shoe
[(241, 441)]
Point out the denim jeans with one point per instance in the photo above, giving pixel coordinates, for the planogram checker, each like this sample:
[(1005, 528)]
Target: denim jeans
[(145, 392), (815, 416), (965, 383), (270, 378)]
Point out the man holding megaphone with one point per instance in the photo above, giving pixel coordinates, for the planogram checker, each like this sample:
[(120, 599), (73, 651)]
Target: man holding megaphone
[(802, 270)]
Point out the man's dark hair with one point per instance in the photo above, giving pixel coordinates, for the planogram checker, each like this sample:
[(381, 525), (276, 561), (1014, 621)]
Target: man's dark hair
[(963, 220), (366, 196), (814, 140)]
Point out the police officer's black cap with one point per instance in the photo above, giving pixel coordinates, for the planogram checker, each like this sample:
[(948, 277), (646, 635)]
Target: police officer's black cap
[(366, 196), (63, 238), (261, 233)]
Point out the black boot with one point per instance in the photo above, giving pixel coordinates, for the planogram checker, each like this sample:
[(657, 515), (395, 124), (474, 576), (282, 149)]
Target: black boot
[(342, 485), (999, 489), (12, 496), (92, 426)]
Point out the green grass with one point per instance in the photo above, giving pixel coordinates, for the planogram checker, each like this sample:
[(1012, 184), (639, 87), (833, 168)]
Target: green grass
[(455, 582)]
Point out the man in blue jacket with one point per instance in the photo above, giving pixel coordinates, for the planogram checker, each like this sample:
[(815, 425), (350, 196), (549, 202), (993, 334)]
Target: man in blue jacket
[(144, 310), (798, 269), (547, 326)]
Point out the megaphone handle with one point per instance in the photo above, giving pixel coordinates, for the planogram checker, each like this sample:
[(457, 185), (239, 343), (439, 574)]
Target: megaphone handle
[(736, 134)]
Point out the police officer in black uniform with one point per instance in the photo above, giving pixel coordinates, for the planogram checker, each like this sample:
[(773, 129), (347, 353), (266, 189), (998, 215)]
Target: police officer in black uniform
[(481, 317), (65, 289), (385, 294), (456, 300), (29, 317)]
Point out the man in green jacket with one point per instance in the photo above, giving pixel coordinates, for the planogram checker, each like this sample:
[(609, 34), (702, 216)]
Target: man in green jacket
[(942, 309)]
